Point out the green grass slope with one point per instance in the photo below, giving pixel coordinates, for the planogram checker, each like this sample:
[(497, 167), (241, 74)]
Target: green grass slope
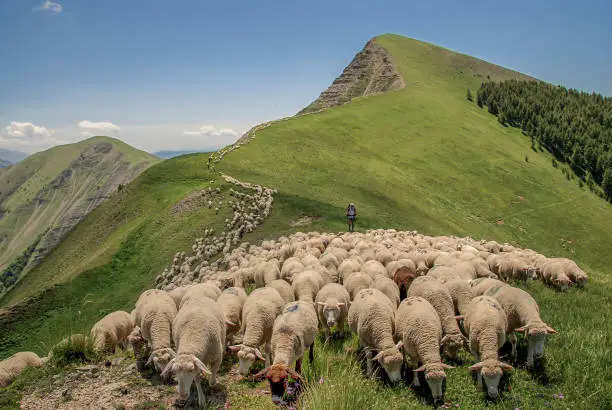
[(48, 192), (421, 158)]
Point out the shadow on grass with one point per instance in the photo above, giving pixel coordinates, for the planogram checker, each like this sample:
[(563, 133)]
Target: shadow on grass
[(539, 372)]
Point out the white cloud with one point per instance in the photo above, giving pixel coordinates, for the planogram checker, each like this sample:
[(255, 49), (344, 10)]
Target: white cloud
[(211, 131), (100, 126), (86, 134), (26, 130), (51, 6)]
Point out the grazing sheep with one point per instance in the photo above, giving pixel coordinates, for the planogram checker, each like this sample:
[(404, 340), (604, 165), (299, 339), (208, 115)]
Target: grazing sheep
[(294, 332), (137, 342), (265, 273), (13, 366), (258, 314), (347, 267), (461, 292), (485, 323), (201, 290), (418, 326), (198, 332), (481, 285), (577, 275), (554, 273), (356, 282), (332, 306), (371, 317), (306, 284), (284, 288), (231, 302), (155, 311), (178, 293), (403, 277), (112, 330), (389, 288), (440, 298), (374, 269), (512, 268), (291, 267), (393, 266), (523, 314)]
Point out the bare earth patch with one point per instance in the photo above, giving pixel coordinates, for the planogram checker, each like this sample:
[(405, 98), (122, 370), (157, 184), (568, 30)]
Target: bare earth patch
[(305, 220)]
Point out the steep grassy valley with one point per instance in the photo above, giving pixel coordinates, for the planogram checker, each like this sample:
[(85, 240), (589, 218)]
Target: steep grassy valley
[(418, 158)]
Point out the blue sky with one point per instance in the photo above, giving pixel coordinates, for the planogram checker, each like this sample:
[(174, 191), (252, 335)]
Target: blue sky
[(195, 74)]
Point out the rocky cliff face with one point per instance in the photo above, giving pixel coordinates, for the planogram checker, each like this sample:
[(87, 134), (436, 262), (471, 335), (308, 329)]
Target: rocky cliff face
[(371, 72)]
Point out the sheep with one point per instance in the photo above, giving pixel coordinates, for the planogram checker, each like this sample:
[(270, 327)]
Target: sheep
[(112, 330), (461, 292), (155, 311), (440, 298), (371, 317), (393, 266), (201, 289), (231, 302), (13, 366), (523, 314), (577, 275), (284, 288), (403, 277), (389, 288), (306, 284), (266, 272), (418, 327), (481, 285), (512, 268), (258, 313), (137, 342), (347, 267), (198, 332), (485, 323), (291, 267), (554, 273), (374, 269), (294, 332), (332, 307)]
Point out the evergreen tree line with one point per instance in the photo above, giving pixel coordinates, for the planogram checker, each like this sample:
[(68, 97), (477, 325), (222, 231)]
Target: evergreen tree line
[(576, 127)]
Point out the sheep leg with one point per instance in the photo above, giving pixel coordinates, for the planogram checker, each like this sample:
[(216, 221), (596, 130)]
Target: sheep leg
[(201, 397), (268, 352), (214, 368), (370, 371), (513, 341), (414, 363), (311, 353), (298, 366)]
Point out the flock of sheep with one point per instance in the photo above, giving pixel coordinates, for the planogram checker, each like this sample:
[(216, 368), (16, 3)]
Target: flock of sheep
[(402, 293)]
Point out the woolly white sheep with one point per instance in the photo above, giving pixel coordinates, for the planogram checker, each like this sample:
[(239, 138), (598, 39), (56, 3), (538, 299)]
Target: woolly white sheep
[(389, 288), (440, 298), (332, 307), (284, 288), (258, 313), (231, 302), (201, 289), (306, 285), (198, 332), (371, 317), (461, 292), (418, 327), (13, 366), (112, 330), (266, 272)]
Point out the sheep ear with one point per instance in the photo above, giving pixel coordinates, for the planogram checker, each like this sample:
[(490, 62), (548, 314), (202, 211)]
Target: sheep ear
[(201, 366), (505, 366), (294, 374), (227, 322), (399, 344), (459, 317), (420, 369), (444, 339), (522, 329), (259, 355), (477, 366), (339, 305), (320, 303), (235, 348), (167, 369), (151, 359), (550, 329), (378, 356), (261, 374)]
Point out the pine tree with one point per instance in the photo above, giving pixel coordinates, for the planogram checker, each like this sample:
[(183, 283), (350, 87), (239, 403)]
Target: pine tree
[(607, 183)]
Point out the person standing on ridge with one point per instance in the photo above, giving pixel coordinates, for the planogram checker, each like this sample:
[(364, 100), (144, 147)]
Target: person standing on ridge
[(351, 214)]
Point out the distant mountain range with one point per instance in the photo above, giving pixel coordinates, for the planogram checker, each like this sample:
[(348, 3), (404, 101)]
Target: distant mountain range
[(10, 157), (172, 154)]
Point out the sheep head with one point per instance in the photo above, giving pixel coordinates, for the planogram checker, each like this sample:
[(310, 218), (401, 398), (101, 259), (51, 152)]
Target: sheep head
[(453, 343), (160, 358), (187, 369), (137, 341), (277, 376), (331, 312), (391, 360), (247, 356), (491, 371), (536, 336), (435, 376)]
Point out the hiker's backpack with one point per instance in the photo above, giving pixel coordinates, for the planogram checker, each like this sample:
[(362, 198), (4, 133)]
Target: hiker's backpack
[(351, 210)]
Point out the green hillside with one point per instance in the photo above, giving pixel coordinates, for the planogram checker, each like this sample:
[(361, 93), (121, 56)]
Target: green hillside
[(419, 158), (44, 196)]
